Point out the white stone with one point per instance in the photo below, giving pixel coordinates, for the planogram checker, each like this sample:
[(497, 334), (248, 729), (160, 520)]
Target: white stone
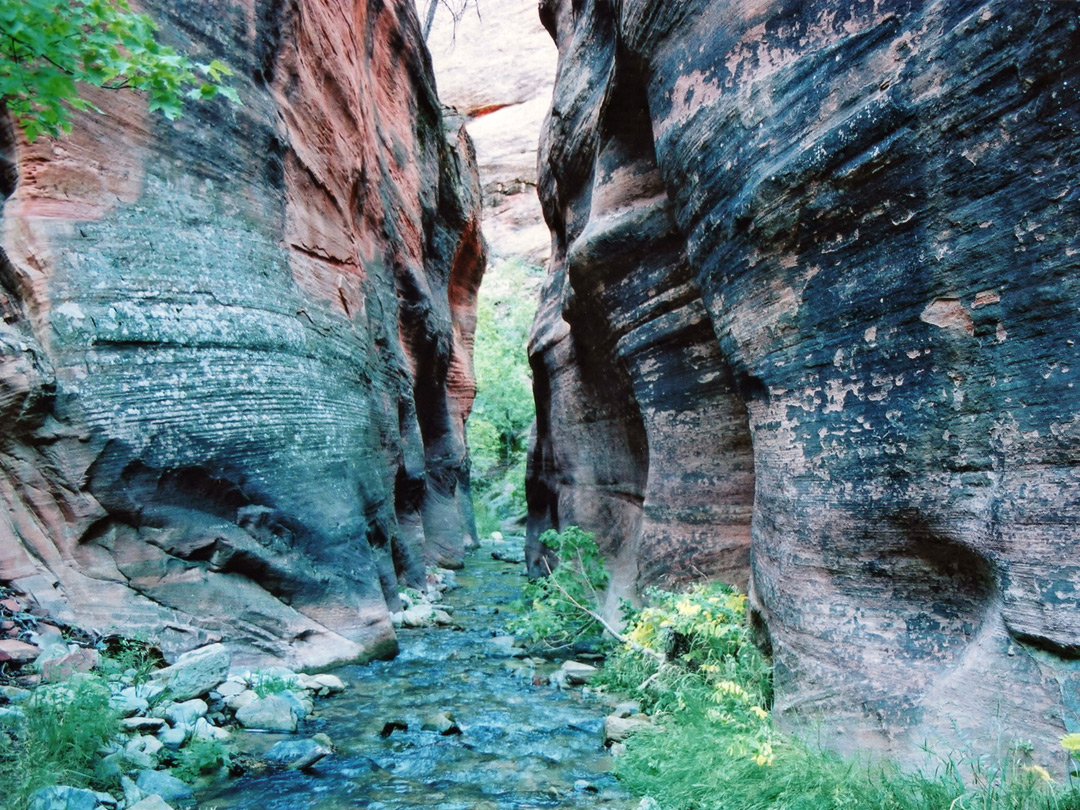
[(195, 673)]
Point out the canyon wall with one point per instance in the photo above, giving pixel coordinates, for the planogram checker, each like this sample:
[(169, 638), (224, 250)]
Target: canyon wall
[(495, 65), (237, 348), (811, 326)]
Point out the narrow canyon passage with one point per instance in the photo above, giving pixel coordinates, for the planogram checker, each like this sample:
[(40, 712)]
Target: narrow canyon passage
[(520, 745)]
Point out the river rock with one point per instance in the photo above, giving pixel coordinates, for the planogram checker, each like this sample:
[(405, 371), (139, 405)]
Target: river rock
[(296, 754), (272, 713), (145, 743), (126, 703), (442, 722), (80, 659), (327, 684), (627, 708), (165, 785), (205, 730), (63, 797), (240, 700), (143, 723), (136, 757), (186, 713), (17, 652), (577, 673), (507, 645), (422, 615), (390, 726), (174, 737), (230, 688), (301, 702), (195, 673), (149, 690), (153, 802), (13, 694), (132, 793), (618, 729)]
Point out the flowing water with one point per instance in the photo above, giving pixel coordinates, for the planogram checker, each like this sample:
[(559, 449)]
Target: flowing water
[(521, 745)]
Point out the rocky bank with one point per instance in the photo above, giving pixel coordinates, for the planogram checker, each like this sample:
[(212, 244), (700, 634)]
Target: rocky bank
[(236, 349), (811, 326)]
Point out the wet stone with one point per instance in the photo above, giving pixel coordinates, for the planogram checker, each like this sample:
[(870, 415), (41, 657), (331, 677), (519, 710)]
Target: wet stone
[(442, 722), (272, 713), (296, 754), (165, 785)]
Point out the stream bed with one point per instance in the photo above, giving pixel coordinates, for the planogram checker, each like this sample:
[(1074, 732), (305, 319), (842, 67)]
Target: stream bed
[(522, 743)]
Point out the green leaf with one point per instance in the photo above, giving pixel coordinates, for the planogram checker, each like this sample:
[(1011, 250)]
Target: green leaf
[(53, 50)]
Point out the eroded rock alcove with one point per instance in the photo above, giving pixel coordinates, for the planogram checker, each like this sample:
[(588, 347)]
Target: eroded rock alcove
[(811, 324), (236, 360)]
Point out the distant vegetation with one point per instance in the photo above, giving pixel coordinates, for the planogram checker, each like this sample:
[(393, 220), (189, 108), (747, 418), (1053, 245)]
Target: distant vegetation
[(498, 429)]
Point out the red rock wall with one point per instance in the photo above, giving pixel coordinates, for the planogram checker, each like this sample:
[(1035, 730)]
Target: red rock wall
[(237, 347), (812, 298)]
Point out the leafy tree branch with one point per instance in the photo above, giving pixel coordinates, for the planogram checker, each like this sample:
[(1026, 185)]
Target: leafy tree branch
[(51, 51)]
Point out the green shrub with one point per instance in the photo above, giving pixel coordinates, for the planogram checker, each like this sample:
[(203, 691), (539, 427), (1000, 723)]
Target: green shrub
[(711, 692), (58, 740), (689, 659), (559, 610), (199, 758), (131, 657), (264, 684)]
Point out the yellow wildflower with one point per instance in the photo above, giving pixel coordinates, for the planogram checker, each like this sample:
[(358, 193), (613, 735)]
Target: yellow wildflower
[(1040, 772), (764, 754), (686, 608), (760, 712), (736, 602), (1071, 742), (731, 688)]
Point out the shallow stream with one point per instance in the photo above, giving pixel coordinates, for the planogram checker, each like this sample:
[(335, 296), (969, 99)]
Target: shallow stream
[(520, 745)]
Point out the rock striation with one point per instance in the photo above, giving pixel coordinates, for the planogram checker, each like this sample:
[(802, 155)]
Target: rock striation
[(237, 349), (811, 326)]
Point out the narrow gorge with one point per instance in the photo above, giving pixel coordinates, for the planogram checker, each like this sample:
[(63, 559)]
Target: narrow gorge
[(808, 326)]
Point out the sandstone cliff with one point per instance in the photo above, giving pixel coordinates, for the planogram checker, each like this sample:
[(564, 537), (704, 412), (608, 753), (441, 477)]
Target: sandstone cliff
[(495, 65), (236, 349), (811, 322)]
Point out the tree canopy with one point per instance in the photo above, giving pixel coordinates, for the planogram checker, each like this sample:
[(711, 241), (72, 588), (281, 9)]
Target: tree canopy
[(52, 50)]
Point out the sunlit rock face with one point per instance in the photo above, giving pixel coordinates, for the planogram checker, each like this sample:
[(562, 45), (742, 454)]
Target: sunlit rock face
[(495, 65), (814, 297), (236, 360)]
